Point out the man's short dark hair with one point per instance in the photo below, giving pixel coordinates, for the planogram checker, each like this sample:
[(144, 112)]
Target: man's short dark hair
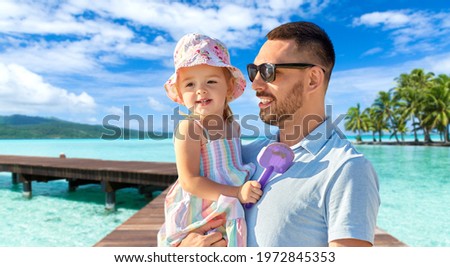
[(309, 37)]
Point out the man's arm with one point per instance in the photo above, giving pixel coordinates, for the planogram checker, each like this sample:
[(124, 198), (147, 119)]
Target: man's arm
[(353, 204), (349, 242)]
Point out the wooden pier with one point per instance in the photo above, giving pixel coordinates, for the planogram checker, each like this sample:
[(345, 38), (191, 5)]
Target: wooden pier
[(141, 229), (112, 175)]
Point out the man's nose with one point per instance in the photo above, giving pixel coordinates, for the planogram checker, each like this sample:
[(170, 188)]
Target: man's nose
[(258, 84)]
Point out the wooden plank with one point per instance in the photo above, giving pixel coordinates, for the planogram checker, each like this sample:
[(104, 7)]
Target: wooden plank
[(142, 228), (384, 239), (133, 172)]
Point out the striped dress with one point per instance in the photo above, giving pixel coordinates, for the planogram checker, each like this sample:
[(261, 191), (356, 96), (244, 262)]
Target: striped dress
[(221, 162)]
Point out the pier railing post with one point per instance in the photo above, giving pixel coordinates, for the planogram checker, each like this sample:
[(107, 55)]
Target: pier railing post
[(72, 185), (26, 186), (14, 178), (110, 200), (110, 195)]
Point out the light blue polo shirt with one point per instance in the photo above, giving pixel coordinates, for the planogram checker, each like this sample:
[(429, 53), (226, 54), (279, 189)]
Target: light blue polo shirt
[(330, 192)]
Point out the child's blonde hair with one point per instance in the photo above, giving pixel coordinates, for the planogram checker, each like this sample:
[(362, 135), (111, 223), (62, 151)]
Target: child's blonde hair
[(227, 112)]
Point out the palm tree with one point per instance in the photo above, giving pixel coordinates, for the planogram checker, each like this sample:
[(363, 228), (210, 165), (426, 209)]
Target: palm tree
[(402, 129), (386, 106), (407, 93), (377, 124), (419, 97), (444, 82), (437, 111), (399, 126), (371, 114), (356, 121), (422, 82)]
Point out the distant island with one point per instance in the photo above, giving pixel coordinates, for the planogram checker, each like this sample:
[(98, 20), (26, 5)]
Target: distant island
[(29, 127)]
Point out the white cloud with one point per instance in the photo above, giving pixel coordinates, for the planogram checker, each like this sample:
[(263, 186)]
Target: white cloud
[(411, 31), (44, 57), (113, 110), (82, 56), (43, 18), (24, 91), (155, 104), (372, 51), (219, 18), (92, 35), (388, 19), (86, 45), (439, 64)]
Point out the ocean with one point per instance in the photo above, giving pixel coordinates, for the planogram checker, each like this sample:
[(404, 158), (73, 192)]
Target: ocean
[(414, 188)]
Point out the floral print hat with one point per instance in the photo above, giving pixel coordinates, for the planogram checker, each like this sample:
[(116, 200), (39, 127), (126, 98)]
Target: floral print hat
[(196, 49)]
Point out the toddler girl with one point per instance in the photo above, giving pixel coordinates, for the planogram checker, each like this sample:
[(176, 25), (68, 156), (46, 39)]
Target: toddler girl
[(211, 176)]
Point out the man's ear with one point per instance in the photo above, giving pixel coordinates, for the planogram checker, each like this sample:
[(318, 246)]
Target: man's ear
[(316, 79)]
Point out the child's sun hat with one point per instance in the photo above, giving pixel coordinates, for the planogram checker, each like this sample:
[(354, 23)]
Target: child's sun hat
[(196, 49)]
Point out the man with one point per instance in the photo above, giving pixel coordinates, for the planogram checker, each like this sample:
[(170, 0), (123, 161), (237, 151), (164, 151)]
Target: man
[(330, 195)]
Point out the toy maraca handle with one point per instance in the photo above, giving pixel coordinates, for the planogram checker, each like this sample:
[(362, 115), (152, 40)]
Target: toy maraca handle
[(265, 176), (262, 180)]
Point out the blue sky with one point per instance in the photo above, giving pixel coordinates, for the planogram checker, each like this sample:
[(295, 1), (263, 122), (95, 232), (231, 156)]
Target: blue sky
[(82, 60)]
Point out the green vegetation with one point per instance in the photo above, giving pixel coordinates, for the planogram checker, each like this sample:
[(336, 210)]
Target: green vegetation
[(420, 98), (27, 127)]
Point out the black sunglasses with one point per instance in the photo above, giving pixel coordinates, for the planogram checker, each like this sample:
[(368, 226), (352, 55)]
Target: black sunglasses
[(268, 70)]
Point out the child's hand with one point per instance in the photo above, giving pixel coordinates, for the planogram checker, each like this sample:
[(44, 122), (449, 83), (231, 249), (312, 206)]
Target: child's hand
[(250, 192)]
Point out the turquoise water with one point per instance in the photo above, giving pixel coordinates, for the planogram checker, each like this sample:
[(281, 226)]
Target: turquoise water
[(143, 150), (56, 217), (415, 192), (414, 181)]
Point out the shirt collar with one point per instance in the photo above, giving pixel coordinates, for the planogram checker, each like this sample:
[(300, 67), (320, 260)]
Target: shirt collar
[(316, 139)]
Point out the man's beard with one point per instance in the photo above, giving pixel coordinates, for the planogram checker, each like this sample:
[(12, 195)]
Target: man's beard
[(280, 112)]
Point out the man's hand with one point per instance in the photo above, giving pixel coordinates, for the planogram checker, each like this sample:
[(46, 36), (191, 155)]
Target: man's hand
[(197, 238), (250, 192)]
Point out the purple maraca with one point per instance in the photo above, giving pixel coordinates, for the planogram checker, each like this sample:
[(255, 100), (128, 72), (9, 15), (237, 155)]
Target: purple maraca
[(276, 157)]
